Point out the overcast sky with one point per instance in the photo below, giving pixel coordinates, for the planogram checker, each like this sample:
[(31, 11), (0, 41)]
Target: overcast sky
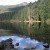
[(14, 2)]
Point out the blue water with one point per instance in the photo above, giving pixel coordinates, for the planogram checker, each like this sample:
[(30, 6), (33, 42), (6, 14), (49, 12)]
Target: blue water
[(25, 42)]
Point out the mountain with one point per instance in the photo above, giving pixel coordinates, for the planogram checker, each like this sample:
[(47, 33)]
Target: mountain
[(22, 4), (8, 8)]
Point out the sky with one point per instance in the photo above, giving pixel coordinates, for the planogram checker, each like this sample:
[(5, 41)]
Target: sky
[(14, 2)]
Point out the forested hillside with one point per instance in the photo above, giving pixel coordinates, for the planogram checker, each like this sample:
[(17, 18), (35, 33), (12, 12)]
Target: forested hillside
[(39, 10)]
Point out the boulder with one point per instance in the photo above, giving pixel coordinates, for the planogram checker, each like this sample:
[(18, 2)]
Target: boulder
[(46, 45), (2, 45), (7, 44)]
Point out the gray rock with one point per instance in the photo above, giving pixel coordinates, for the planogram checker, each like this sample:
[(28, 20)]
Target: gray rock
[(6, 45)]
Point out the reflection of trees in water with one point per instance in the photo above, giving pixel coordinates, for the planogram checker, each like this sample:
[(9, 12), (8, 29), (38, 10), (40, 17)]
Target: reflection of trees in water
[(19, 27), (38, 30)]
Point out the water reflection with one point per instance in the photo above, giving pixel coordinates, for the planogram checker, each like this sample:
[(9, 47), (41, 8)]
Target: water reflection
[(25, 43), (36, 30), (22, 27)]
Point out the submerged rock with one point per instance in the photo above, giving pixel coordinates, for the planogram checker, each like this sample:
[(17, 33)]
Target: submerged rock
[(26, 48), (33, 48)]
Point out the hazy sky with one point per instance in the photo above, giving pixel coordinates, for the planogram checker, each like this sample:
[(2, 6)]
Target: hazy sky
[(14, 2)]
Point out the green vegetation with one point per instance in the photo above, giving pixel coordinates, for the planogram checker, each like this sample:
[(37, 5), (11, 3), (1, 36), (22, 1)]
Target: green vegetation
[(39, 10)]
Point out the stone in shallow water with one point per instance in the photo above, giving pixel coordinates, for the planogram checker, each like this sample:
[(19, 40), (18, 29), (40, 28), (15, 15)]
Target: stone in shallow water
[(46, 45), (7, 44), (17, 44)]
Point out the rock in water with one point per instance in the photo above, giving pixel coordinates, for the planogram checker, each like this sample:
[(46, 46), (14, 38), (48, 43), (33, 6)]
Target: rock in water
[(17, 44), (1, 46), (7, 44), (46, 45)]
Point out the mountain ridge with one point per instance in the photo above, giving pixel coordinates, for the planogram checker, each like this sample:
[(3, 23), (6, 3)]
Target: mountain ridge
[(7, 8)]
